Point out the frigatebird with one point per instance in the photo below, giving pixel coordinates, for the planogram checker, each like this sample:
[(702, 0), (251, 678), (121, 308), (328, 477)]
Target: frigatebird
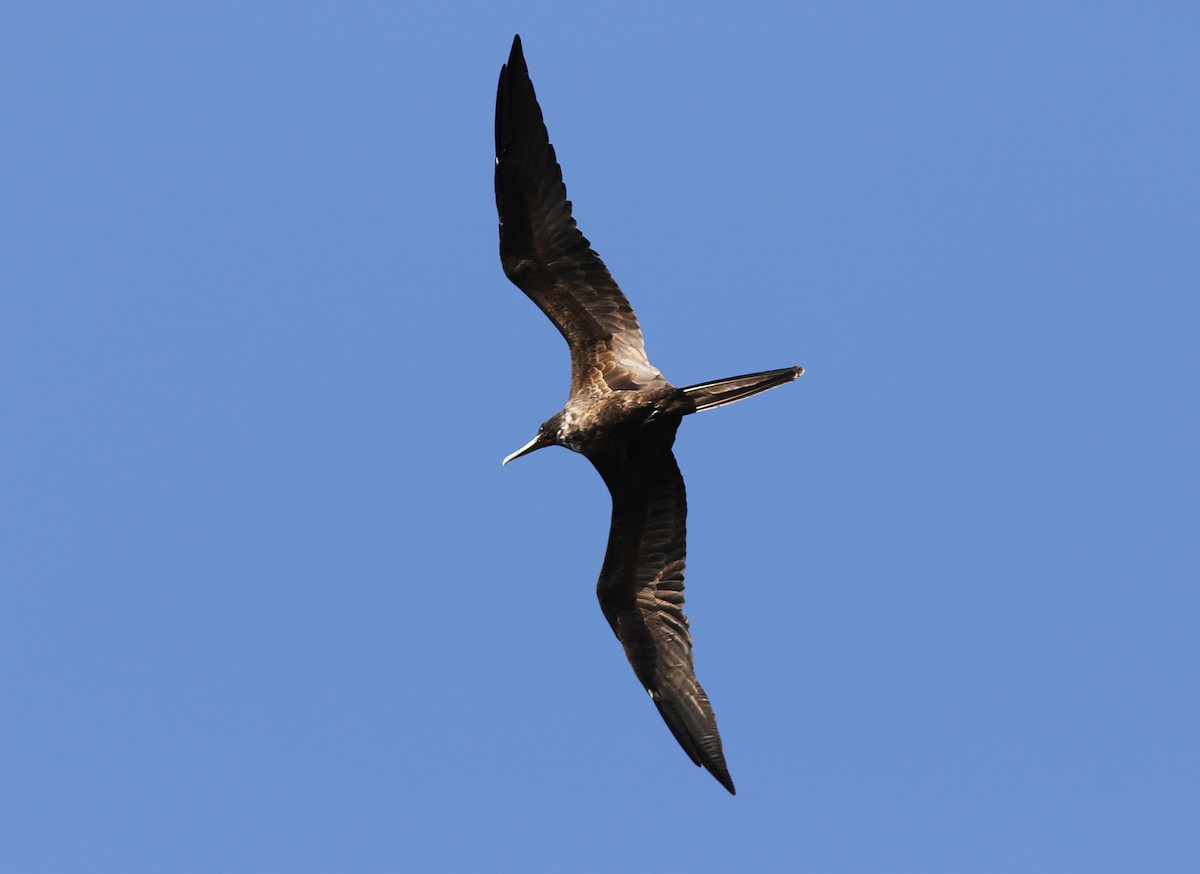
[(622, 414)]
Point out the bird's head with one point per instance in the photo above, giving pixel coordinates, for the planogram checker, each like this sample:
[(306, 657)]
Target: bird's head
[(547, 435)]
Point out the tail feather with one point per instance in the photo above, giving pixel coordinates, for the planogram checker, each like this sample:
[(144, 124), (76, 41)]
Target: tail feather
[(707, 395)]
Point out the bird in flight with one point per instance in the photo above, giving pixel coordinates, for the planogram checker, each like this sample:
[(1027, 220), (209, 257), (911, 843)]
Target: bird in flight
[(622, 414)]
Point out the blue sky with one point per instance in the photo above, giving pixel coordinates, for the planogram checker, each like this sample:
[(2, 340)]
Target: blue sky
[(271, 602)]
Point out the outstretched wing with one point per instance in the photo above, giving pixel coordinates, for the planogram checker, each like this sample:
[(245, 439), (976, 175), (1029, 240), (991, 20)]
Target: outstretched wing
[(641, 593), (546, 256)]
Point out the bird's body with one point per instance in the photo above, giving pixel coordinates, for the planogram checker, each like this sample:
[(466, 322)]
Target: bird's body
[(593, 424), (622, 414)]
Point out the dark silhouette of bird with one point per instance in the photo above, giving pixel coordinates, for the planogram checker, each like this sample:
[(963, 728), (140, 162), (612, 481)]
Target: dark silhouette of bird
[(622, 414)]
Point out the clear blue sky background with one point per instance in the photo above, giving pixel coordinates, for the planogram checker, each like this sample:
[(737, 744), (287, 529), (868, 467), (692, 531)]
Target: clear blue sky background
[(270, 603)]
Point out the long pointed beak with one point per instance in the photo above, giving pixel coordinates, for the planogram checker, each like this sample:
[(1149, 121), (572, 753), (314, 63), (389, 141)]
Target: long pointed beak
[(536, 443)]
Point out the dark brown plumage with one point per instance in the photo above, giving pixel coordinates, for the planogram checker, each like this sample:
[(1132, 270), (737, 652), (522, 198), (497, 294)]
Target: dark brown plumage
[(622, 414)]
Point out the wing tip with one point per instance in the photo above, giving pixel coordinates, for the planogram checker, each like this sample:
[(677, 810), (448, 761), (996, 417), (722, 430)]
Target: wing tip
[(726, 781), (704, 752), (516, 57), (720, 772), (511, 73)]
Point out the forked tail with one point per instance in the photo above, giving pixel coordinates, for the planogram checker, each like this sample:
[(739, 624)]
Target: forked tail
[(725, 391)]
